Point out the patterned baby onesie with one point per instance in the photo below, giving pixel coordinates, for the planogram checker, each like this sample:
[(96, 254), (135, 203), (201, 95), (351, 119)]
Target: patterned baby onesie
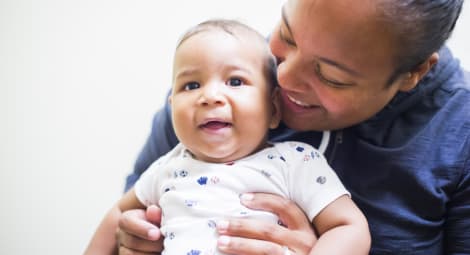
[(194, 195)]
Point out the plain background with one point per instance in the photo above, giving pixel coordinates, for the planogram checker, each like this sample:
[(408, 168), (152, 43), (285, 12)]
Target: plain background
[(79, 84)]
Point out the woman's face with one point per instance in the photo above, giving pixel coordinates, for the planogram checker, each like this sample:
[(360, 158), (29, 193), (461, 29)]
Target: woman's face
[(335, 58)]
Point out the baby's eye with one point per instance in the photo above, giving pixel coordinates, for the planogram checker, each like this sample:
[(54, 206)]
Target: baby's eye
[(235, 82), (191, 85)]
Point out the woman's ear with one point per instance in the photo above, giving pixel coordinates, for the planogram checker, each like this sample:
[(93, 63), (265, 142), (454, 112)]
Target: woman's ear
[(275, 109), (412, 78)]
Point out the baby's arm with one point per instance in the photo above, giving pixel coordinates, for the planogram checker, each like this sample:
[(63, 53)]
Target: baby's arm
[(342, 229), (104, 240)]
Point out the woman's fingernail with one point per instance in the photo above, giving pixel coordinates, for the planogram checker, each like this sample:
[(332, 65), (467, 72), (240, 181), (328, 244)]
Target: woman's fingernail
[(153, 234), (223, 241), (247, 197), (222, 226)]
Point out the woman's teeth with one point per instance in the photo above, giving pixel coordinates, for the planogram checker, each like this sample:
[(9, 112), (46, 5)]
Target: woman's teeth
[(299, 103)]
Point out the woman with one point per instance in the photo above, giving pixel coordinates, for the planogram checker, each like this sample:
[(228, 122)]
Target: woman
[(397, 102)]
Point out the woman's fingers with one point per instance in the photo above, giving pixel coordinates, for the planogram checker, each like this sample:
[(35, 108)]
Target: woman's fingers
[(137, 223), (154, 214), (138, 232), (237, 236), (250, 236), (288, 212), (130, 244), (267, 237), (237, 245), (253, 229)]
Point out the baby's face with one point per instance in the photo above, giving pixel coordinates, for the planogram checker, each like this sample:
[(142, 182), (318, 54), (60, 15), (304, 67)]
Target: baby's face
[(221, 102)]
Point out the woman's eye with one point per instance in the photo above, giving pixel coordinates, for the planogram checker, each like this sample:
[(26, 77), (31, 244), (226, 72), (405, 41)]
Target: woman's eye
[(235, 82), (328, 81), (191, 86), (285, 39)]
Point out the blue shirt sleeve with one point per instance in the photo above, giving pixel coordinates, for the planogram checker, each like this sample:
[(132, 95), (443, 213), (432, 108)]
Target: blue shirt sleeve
[(457, 225), (161, 140)]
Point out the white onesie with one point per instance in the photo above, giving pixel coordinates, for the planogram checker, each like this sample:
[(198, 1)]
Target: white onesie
[(194, 195)]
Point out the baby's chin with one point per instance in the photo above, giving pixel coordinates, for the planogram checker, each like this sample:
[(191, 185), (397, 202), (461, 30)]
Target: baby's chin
[(216, 157), (223, 156)]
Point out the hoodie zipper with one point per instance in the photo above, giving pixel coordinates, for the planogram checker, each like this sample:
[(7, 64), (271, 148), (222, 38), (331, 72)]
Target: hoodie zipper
[(338, 140)]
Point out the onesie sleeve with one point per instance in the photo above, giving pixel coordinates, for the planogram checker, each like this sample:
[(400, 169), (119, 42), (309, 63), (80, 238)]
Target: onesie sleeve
[(146, 187), (312, 183)]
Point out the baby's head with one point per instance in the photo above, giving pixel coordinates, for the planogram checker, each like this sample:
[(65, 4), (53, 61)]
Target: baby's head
[(223, 98)]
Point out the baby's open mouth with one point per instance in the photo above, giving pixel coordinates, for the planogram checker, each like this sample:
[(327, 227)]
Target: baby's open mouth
[(215, 124)]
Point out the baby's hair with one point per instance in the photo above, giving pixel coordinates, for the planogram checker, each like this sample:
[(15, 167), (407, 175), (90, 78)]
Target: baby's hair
[(232, 27), (240, 31)]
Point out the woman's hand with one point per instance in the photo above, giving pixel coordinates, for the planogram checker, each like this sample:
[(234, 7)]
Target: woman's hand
[(252, 237), (138, 232)]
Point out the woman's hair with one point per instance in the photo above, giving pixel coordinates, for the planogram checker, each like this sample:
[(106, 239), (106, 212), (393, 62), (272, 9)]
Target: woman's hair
[(241, 32), (420, 28)]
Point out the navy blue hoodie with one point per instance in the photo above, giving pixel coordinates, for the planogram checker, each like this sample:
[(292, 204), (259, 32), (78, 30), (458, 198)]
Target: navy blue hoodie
[(407, 167)]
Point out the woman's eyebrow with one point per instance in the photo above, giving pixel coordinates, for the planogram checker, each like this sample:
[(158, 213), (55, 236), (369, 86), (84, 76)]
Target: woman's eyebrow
[(322, 59), (339, 66)]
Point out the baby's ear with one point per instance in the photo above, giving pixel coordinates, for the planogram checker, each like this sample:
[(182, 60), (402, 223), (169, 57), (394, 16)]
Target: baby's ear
[(275, 109)]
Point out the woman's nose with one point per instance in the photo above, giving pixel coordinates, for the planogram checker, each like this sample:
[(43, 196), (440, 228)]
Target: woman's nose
[(289, 75), (289, 67)]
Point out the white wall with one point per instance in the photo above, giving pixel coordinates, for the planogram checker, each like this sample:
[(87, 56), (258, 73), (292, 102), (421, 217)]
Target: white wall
[(79, 83), (459, 42)]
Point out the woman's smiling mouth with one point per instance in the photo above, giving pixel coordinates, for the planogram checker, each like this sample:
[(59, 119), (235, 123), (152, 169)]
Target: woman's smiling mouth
[(299, 103), (297, 106)]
